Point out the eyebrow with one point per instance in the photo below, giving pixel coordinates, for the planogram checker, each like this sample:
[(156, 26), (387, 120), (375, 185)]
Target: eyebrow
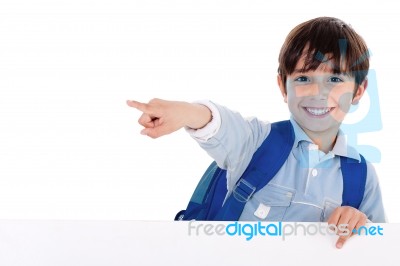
[(296, 71), (300, 71)]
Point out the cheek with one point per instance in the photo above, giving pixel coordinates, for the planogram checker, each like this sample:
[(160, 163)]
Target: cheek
[(342, 98), (343, 91), (342, 103), (291, 98), (305, 90), (294, 92), (345, 101)]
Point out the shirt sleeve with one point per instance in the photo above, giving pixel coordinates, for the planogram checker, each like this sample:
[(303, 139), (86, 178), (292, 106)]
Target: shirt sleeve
[(208, 131), (230, 139), (372, 204)]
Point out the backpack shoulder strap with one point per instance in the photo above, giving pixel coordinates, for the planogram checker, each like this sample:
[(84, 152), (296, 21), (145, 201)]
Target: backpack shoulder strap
[(209, 195), (354, 179), (264, 165)]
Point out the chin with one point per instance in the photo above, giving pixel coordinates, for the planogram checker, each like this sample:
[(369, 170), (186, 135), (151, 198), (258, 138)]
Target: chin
[(320, 127)]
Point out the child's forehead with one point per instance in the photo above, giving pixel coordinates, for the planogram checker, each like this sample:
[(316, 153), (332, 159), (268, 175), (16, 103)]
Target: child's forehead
[(326, 64), (312, 61)]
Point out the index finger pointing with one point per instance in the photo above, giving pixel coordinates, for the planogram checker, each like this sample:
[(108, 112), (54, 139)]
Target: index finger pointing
[(340, 242), (138, 105)]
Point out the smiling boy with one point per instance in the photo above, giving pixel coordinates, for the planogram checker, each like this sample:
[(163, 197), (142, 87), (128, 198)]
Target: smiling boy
[(322, 71), (319, 99)]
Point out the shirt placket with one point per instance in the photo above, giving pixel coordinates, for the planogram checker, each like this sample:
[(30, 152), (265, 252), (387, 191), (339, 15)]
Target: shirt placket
[(313, 171)]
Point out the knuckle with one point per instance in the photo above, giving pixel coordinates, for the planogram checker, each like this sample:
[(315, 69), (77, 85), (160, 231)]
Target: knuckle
[(363, 218), (154, 101)]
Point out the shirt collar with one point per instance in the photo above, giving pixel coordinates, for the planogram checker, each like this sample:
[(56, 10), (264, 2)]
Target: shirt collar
[(341, 147)]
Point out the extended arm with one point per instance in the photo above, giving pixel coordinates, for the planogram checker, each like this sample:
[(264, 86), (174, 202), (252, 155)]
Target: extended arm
[(161, 117), (232, 142)]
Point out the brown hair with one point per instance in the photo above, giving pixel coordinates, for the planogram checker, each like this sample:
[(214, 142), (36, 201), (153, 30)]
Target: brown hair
[(325, 36)]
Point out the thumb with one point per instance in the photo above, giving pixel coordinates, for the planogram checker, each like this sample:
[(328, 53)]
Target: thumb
[(154, 132)]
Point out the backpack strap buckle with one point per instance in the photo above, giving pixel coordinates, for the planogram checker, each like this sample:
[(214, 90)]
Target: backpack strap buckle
[(243, 191)]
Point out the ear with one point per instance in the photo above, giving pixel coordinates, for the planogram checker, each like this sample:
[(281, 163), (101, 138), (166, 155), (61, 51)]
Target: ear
[(282, 87), (360, 92)]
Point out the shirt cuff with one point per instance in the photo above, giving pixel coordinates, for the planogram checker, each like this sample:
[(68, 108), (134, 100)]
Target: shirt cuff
[(208, 131)]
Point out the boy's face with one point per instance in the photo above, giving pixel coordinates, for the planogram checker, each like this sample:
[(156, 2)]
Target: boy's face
[(319, 100)]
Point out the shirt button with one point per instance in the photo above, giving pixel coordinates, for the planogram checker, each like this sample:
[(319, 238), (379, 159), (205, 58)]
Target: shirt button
[(314, 172), (260, 213)]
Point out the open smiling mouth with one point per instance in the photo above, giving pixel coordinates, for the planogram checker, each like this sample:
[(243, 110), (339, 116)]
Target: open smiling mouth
[(318, 111)]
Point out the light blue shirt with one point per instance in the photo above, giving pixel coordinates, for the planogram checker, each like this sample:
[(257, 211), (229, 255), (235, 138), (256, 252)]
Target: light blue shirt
[(309, 185)]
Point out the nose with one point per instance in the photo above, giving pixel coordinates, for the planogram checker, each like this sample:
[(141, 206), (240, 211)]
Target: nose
[(319, 90)]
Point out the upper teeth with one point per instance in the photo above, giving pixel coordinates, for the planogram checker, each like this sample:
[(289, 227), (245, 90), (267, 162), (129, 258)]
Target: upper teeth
[(318, 111)]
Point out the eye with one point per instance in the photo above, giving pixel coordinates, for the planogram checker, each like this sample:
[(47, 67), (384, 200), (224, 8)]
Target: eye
[(302, 79), (335, 79)]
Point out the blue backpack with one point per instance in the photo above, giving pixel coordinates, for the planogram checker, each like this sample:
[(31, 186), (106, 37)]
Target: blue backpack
[(207, 201)]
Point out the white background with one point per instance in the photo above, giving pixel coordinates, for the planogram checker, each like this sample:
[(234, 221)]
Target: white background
[(127, 243), (69, 146)]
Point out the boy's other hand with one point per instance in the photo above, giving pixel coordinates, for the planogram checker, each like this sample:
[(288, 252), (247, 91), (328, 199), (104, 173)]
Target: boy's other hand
[(347, 215), (161, 117)]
